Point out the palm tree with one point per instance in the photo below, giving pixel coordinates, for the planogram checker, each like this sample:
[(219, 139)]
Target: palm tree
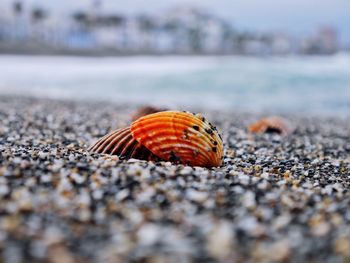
[(38, 14), (17, 8), (171, 26), (81, 18), (146, 23), (115, 20), (147, 27), (37, 17), (196, 37)]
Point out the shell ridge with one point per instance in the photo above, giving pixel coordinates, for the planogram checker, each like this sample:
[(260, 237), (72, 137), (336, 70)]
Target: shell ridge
[(131, 151), (116, 139), (159, 131), (105, 140), (96, 145), (148, 124), (188, 147), (165, 137), (121, 144)]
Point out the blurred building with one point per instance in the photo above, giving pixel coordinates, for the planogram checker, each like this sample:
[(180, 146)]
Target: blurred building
[(324, 41), (181, 30)]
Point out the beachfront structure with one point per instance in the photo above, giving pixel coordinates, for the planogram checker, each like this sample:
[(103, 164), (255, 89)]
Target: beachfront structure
[(182, 30), (324, 41)]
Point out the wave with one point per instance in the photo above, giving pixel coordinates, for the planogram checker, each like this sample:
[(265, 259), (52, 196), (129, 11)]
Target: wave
[(289, 84)]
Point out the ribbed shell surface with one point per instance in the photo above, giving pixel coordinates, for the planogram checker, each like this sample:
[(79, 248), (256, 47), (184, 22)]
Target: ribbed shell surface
[(120, 142), (180, 137)]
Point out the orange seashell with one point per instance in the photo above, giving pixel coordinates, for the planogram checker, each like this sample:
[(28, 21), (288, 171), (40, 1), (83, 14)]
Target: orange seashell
[(180, 137), (146, 110), (120, 142), (272, 125)]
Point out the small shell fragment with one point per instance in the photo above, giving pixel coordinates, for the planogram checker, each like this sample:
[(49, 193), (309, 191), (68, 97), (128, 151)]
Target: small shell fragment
[(146, 110), (272, 125)]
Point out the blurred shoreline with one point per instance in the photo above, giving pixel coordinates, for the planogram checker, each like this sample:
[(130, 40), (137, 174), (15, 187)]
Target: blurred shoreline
[(31, 49), (317, 84)]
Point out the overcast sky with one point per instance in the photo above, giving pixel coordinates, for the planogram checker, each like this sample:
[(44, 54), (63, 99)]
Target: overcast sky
[(296, 16)]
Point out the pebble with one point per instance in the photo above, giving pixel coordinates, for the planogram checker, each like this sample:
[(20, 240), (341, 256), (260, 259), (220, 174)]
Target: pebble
[(220, 241), (196, 196)]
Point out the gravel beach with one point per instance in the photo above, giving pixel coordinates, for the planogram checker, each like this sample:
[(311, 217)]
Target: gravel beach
[(275, 199)]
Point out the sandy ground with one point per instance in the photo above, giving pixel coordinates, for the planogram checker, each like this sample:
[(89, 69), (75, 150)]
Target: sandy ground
[(275, 199)]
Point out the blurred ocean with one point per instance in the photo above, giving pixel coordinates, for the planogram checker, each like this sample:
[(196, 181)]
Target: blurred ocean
[(317, 85)]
